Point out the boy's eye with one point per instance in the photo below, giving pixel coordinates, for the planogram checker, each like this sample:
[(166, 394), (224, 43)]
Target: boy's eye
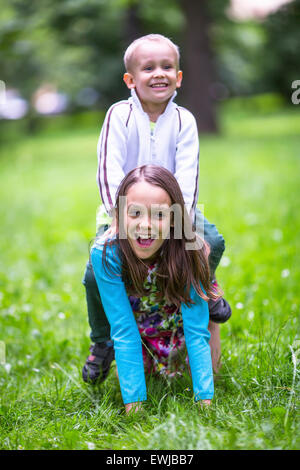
[(134, 213), (148, 68)]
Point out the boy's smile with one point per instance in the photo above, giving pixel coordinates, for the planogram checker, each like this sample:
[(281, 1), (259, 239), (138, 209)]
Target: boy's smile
[(154, 75)]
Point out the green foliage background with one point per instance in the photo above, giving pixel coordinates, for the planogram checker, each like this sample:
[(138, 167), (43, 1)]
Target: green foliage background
[(249, 183), (80, 43)]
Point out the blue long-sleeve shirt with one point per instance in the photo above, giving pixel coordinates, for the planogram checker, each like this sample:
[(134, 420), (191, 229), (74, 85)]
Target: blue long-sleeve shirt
[(127, 339)]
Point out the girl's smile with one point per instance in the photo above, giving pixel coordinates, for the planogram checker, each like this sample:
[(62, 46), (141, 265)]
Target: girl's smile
[(145, 242)]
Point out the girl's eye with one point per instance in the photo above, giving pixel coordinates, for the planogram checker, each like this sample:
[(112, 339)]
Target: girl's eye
[(168, 67), (148, 68)]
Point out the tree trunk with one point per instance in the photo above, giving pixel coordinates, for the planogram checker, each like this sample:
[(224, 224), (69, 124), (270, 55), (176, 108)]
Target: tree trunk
[(199, 73), (132, 23)]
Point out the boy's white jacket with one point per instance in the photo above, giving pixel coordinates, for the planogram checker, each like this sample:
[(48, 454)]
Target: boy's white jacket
[(126, 142)]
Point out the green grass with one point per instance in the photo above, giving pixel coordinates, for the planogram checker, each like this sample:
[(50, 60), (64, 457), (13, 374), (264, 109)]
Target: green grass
[(249, 184)]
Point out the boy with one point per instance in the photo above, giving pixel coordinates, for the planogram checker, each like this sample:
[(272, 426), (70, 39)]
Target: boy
[(148, 128)]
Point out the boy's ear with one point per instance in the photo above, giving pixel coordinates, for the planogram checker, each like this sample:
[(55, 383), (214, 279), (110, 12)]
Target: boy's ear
[(179, 79), (129, 80)]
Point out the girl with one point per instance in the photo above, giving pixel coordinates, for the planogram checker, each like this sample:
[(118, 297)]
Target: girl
[(154, 290)]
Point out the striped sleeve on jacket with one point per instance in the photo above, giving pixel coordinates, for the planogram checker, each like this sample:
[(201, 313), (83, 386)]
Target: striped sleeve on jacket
[(187, 157), (112, 152)]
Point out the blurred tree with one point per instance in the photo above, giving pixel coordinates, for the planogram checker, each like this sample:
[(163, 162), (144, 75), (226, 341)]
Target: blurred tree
[(282, 64), (132, 22), (78, 45), (18, 60), (199, 65)]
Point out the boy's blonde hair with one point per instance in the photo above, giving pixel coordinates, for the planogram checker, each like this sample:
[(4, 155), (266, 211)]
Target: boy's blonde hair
[(149, 37)]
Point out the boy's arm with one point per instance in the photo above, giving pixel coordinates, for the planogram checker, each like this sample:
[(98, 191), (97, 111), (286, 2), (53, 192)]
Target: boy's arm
[(195, 325), (187, 159), (112, 153)]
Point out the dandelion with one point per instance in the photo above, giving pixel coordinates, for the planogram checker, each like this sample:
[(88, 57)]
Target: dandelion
[(61, 315), (27, 308), (91, 445), (11, 310), (7, 367), (35, 333), (2, 352), (225, 261), (239, 305), (251, 219), (250, 315), (285, 273), (266, 302), (47, 315), (277, 235)]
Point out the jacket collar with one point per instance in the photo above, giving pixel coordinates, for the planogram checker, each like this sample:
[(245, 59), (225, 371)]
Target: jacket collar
[(136, 101)]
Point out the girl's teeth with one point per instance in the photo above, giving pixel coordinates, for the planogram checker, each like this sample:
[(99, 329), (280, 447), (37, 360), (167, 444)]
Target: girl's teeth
[(145, 241)]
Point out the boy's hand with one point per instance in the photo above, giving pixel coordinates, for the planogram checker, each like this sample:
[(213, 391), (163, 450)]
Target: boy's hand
[(111, 231)]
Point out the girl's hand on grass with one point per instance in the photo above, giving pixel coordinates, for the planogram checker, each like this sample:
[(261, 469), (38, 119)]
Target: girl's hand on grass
[(205, 402), (133, 407)]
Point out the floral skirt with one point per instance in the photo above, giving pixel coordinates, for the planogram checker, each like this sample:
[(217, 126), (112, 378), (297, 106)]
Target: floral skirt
[(161, 330)]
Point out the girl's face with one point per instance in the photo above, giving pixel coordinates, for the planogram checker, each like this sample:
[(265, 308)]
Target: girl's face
[(147, 218)]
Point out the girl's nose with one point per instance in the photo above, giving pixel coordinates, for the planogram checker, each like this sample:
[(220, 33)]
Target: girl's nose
[(145, 222)]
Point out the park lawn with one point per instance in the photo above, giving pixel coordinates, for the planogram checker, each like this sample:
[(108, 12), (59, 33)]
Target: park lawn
[(249, 185)]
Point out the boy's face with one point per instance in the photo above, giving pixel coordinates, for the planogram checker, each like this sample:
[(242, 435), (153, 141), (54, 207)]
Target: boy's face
[(154, 72)]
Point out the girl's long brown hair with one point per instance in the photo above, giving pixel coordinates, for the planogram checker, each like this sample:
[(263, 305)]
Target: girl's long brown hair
[(177, 268)]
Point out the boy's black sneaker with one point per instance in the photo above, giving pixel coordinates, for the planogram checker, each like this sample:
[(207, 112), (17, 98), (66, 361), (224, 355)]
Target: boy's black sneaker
[(219, 310), (97, 365)]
